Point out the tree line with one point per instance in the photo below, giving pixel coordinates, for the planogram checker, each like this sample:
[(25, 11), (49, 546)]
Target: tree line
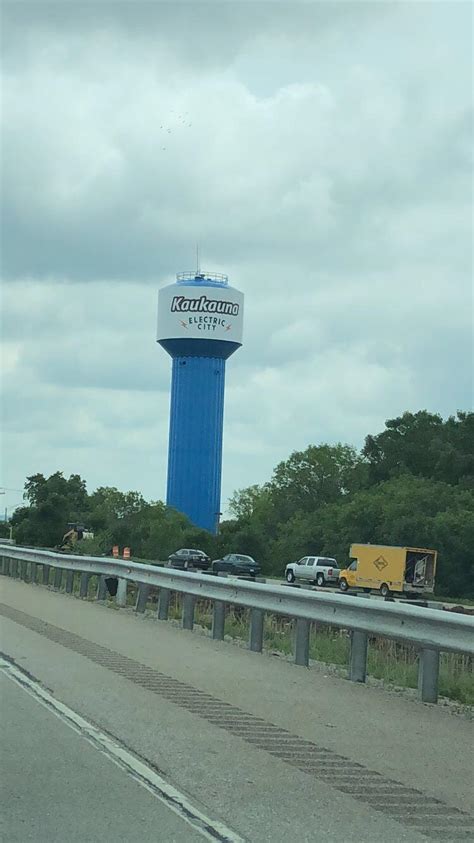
[(411, 484)]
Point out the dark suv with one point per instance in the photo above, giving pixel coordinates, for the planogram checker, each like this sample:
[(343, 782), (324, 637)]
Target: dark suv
[(236, 563), (188, 558)]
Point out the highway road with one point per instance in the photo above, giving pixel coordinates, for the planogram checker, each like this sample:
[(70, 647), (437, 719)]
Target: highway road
[(332, 589), (120, 727), (57, 785)]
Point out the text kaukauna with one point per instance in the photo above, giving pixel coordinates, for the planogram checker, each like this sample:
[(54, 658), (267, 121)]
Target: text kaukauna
[(181, 304)]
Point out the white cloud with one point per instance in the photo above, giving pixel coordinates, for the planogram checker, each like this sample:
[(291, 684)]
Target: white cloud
[(327, 173)]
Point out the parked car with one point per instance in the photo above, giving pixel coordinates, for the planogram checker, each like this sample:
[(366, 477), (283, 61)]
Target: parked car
[(318, 569), (188, 558), (236, 563)]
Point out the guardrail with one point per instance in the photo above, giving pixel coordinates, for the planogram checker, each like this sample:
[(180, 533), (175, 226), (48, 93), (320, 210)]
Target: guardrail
[(431, 630)]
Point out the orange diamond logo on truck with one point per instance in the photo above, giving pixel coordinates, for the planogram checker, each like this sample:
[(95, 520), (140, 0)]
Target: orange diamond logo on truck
[(380, 563)]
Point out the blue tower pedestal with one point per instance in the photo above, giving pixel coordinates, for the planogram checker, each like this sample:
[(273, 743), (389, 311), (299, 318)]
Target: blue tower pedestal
[(200, 325)]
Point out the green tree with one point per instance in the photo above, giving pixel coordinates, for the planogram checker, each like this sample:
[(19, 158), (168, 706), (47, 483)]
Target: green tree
[(244, 502), (4, 529), (412, 484), (39, 489), (41, 525), (107, 505), (311, 478), (408, 511), (423, 445)]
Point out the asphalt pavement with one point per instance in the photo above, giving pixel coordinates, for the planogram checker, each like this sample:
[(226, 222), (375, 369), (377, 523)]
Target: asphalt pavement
[(143, 682), (56, 786)]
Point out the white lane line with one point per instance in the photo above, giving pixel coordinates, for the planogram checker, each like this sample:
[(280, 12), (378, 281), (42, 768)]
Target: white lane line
[(147, 777)]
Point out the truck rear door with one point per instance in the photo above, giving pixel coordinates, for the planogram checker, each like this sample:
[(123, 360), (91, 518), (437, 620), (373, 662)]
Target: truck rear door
[(420, 568)]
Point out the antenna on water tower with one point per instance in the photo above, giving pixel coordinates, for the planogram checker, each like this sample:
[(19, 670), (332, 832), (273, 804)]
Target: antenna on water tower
[(198, 268)]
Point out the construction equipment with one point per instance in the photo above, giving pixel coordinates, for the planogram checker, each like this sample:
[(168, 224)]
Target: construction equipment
[(76, 533)]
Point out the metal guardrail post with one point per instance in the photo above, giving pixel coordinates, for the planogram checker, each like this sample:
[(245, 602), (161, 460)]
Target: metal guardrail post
[(84, 585), (302, 642), (256, 630), (358, 656), (428, 675), (163, 604), (218, 620), (23, 570), (33, 572), (6, 566), (121, 596), (142, 597), (187, 618), (58, 578), (424, 628), (70, 582), (101, 588)]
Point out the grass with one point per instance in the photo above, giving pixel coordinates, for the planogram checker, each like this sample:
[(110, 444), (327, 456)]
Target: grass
[(390, 661), (329, 645), (397, 664), (462, 601)]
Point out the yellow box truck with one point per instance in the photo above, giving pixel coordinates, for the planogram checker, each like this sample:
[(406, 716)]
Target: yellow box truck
[(401, 570)]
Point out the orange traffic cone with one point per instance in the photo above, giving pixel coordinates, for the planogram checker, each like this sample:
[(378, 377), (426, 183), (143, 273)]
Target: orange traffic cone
[(115, 551), (126, 553)]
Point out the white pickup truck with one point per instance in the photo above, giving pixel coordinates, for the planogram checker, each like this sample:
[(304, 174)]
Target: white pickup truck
[(318, 569)]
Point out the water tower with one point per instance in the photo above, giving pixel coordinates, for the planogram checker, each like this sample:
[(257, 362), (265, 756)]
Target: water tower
[(200, 320)]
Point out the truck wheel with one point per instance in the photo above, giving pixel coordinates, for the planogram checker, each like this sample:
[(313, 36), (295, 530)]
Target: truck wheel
[(290, 577), (320, 579), (384, 590), (343, 585)]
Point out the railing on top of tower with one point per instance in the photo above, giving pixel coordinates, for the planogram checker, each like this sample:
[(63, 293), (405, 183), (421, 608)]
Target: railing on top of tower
[(214, 277)]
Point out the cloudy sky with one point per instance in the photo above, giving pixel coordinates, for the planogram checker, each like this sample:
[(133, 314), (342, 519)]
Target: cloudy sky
[(319, 153)]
